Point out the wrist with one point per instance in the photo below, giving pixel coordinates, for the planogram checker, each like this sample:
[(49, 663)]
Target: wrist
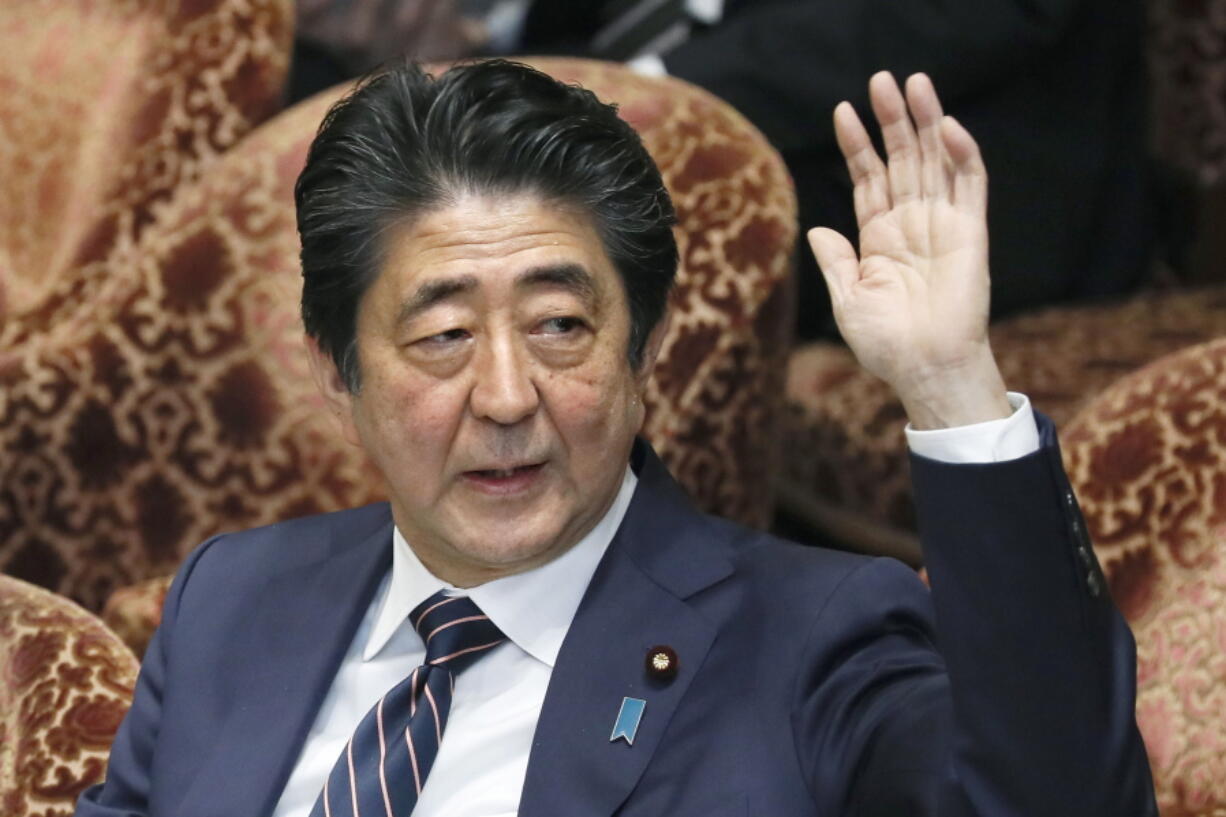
[(956, 395)]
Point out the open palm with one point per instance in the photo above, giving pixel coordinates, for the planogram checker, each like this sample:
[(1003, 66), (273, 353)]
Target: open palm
[(913, 305)]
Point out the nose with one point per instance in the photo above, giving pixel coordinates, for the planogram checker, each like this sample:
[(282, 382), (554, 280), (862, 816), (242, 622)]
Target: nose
[(504, 391)]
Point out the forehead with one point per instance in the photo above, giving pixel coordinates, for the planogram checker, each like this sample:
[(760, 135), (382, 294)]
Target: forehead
[(494, 240)]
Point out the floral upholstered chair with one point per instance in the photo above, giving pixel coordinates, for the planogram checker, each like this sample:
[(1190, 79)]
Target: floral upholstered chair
[(184, 407), (845, 468), (1147, 458), (65, 684), (107, 107)]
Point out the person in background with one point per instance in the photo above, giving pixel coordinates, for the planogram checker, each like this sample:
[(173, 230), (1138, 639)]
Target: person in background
[(1052, 89), (337, 40)]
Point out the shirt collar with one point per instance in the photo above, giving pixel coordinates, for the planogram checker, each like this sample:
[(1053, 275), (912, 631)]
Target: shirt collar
[(533, 609)]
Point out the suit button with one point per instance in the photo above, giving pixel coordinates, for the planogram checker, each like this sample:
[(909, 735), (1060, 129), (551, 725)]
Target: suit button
[(1087, 558), (1095, 583)]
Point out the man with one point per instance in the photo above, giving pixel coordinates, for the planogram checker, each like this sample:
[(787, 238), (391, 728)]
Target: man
[(539, 624)]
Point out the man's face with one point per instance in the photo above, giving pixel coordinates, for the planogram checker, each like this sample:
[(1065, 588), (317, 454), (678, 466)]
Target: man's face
[(497, 398)]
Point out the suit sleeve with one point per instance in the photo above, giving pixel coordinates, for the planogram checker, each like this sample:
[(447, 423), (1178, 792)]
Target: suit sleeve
[(1016, 699), (126, 790), (786, 65)]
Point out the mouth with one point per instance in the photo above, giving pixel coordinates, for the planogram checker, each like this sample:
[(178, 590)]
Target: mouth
[(503, 481)]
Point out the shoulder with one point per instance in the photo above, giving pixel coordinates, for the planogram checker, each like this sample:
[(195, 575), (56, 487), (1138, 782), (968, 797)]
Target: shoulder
[(247, 559), (806, 582), (293, 542)]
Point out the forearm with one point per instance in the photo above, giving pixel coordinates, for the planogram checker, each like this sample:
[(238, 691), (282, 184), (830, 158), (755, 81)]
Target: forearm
[(1041, 665)]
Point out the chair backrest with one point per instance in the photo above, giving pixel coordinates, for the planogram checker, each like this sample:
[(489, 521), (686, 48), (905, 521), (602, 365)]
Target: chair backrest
[(185, 406), (106, 106), (66, 682), (1147, 458)]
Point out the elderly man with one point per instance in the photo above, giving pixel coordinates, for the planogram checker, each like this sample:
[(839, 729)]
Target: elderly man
[(538, 623)]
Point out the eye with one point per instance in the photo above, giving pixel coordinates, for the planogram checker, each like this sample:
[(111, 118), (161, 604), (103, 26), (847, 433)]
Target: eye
[(443, 338), (561, 325)]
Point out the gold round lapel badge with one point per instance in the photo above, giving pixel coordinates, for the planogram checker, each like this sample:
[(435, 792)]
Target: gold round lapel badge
[(662, 663)]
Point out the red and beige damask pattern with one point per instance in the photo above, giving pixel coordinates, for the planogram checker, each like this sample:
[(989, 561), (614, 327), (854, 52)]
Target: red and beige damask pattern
[(65, 684), (106, 107), (184, 407), (843, 438), (134, 612), (1147, 458)]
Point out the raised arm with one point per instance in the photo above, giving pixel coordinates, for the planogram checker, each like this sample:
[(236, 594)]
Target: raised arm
[(1029, 708)]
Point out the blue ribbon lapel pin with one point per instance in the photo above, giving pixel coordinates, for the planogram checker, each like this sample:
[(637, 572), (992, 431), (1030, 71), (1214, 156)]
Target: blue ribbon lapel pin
[(627, 724)]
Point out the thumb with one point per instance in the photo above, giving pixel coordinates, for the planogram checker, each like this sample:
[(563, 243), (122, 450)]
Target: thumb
[(837, 259)]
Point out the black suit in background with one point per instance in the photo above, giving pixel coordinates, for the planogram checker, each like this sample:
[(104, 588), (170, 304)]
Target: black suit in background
[(1051, 89)]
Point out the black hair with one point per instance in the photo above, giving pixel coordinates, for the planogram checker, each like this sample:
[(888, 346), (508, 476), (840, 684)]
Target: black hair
[(404, 143)]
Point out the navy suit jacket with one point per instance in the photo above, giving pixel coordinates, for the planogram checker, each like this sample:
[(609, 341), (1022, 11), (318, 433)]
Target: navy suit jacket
[(811, 682)]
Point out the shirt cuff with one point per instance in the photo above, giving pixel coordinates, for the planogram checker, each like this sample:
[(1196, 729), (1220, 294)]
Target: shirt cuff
[(994, 441), (649, 65)]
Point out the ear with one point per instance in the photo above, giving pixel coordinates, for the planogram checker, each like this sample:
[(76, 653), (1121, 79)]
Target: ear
[(651, 350), (332, 387)]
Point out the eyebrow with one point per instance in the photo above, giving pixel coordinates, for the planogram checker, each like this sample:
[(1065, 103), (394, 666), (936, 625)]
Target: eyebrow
[(570, 277), (434, 292)]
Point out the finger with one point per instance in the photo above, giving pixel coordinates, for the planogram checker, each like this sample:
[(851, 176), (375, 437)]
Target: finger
[(871, 185), (970, 176), (901, 145), (936, 168), (838, 262)]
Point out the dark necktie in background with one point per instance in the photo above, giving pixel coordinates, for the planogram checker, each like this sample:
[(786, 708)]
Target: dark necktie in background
[(634, 27), (384, 765)]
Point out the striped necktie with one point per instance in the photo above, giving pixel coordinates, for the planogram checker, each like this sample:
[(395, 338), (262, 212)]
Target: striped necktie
[(384, 766), (635, 27)]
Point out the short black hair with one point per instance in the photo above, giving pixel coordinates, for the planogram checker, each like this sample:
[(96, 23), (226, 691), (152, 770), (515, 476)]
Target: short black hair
[(404, 143)]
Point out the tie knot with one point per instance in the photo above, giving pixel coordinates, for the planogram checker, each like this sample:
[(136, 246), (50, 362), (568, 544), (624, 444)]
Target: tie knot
[(454, 630)]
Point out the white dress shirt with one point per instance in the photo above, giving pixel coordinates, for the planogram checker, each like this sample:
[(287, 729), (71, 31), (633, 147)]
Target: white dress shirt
[(483, 758), (481, 763)]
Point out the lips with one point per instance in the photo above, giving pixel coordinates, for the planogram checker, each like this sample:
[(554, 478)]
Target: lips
[(502, 481), (503, 473)]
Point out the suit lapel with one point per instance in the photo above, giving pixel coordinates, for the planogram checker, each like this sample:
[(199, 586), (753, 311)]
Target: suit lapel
[(636, 600), (284, 665)]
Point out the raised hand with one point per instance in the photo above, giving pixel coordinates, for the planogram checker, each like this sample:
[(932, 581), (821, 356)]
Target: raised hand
[(914, 305)]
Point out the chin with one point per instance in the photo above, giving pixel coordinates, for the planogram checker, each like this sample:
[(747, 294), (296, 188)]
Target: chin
[(520, 551), (513, 555)]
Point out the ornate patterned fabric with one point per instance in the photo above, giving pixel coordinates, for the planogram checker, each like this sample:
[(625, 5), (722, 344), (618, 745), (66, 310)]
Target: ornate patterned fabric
[(108, 106), (135, 611), (1187, 59), (843, 438), (65, 684), (1147, 458), (183, 406)]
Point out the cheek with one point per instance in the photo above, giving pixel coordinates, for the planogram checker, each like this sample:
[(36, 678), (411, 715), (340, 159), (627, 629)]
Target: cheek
[(403, 416), (594, 406)]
